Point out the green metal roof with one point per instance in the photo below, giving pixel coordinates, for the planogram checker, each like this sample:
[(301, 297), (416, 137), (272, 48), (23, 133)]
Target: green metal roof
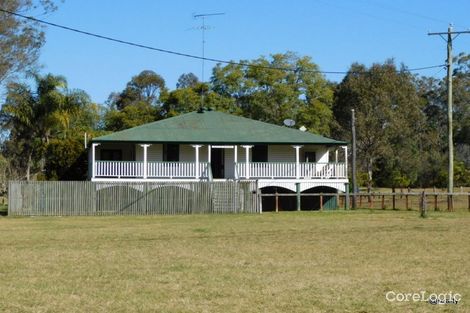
[(212, 127)]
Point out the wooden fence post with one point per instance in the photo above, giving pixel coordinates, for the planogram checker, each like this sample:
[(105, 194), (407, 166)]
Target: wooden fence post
[(468, 202), (406, 202), (298, 202), (321, 201), (423, 205), (383, 202), (450, 202), (436, 207), (277, 201)]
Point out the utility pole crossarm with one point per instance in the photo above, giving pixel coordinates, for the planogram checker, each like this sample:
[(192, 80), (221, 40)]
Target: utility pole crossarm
[(451, 33)]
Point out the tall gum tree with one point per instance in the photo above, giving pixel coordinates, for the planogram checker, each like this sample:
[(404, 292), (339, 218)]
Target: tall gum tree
[(20, 39), (389, 121), (264, 92)]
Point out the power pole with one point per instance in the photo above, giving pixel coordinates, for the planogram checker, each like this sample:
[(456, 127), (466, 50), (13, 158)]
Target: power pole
[(451, 35), (354, 180)]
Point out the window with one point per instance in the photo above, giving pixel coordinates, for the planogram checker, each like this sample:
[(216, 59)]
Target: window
[(111, 155), (171, 152), (260, 153), (310, 157)]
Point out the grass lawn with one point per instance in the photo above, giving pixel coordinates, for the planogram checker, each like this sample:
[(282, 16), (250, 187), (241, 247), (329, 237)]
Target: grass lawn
[(288, 262)]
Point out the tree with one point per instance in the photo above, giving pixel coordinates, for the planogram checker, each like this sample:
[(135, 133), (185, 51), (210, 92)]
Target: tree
[(20, 39), (389, 121), (32, 117), (434, 94), (461, 88), (139, 103), (188, 80), (144, 87), (66, 159), (188, 99), (130, 116), (264, 91)]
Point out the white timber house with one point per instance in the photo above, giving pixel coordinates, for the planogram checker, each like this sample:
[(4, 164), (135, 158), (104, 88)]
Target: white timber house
[(213, 146)]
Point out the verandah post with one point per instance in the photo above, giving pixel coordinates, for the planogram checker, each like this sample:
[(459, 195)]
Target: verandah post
[(247, 161), (145, 169), (197, 159), (235, 161), (93, 161), (297, 161)]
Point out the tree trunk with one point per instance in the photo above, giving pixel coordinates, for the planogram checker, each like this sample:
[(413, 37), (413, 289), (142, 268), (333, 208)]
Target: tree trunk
[(28, 167), (369, 179)]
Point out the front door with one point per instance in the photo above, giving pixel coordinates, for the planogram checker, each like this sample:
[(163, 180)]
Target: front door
[(217, 163)]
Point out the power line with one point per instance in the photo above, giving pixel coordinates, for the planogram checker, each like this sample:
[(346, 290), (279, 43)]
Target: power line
[(187, 55), (420, 15)]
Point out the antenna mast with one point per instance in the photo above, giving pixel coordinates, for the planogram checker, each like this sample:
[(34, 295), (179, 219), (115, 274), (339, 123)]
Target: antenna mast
[(203, 28)]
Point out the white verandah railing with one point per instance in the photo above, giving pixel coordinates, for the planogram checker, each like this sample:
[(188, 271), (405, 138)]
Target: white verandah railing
[(171, 170), (135, 169), (288, 170)]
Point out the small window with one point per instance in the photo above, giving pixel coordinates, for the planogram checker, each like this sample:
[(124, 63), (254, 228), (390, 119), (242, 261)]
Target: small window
[(111, 155), (260, 153), (171, 152), (310, 157)]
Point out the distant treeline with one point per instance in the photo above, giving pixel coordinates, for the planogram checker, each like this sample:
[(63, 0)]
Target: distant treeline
[(401, 118)]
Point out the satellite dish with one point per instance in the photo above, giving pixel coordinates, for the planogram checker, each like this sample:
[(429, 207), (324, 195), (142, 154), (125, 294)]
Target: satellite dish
[(289, 123), (302, 128)]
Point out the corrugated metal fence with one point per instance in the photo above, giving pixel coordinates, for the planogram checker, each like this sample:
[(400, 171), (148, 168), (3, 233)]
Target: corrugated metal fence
[(96, 198)]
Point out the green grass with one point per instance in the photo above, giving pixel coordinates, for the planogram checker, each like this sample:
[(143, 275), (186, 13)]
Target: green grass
[(3, 209), (289, 262)]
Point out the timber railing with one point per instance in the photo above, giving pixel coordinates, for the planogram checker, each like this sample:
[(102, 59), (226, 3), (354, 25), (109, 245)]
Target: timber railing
[(288, 170), (142, 198), (135, 169)]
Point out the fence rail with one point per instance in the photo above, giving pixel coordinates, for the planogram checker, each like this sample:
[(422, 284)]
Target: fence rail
[(436, 201), (96, 198), (411, 201)]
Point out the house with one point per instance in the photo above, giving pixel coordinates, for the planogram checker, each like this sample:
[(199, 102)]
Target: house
[(213, 146)]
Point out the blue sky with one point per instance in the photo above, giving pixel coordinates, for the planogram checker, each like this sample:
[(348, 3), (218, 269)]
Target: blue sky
[(333, 33)]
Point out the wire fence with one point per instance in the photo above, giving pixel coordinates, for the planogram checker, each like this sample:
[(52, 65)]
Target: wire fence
[(93, 198)]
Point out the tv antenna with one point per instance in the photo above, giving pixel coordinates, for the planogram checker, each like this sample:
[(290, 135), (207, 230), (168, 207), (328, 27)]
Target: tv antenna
[(203, 28), (288, 122)]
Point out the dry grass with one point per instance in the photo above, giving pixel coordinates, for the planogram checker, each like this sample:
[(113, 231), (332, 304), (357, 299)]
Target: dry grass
[(289, 262)]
